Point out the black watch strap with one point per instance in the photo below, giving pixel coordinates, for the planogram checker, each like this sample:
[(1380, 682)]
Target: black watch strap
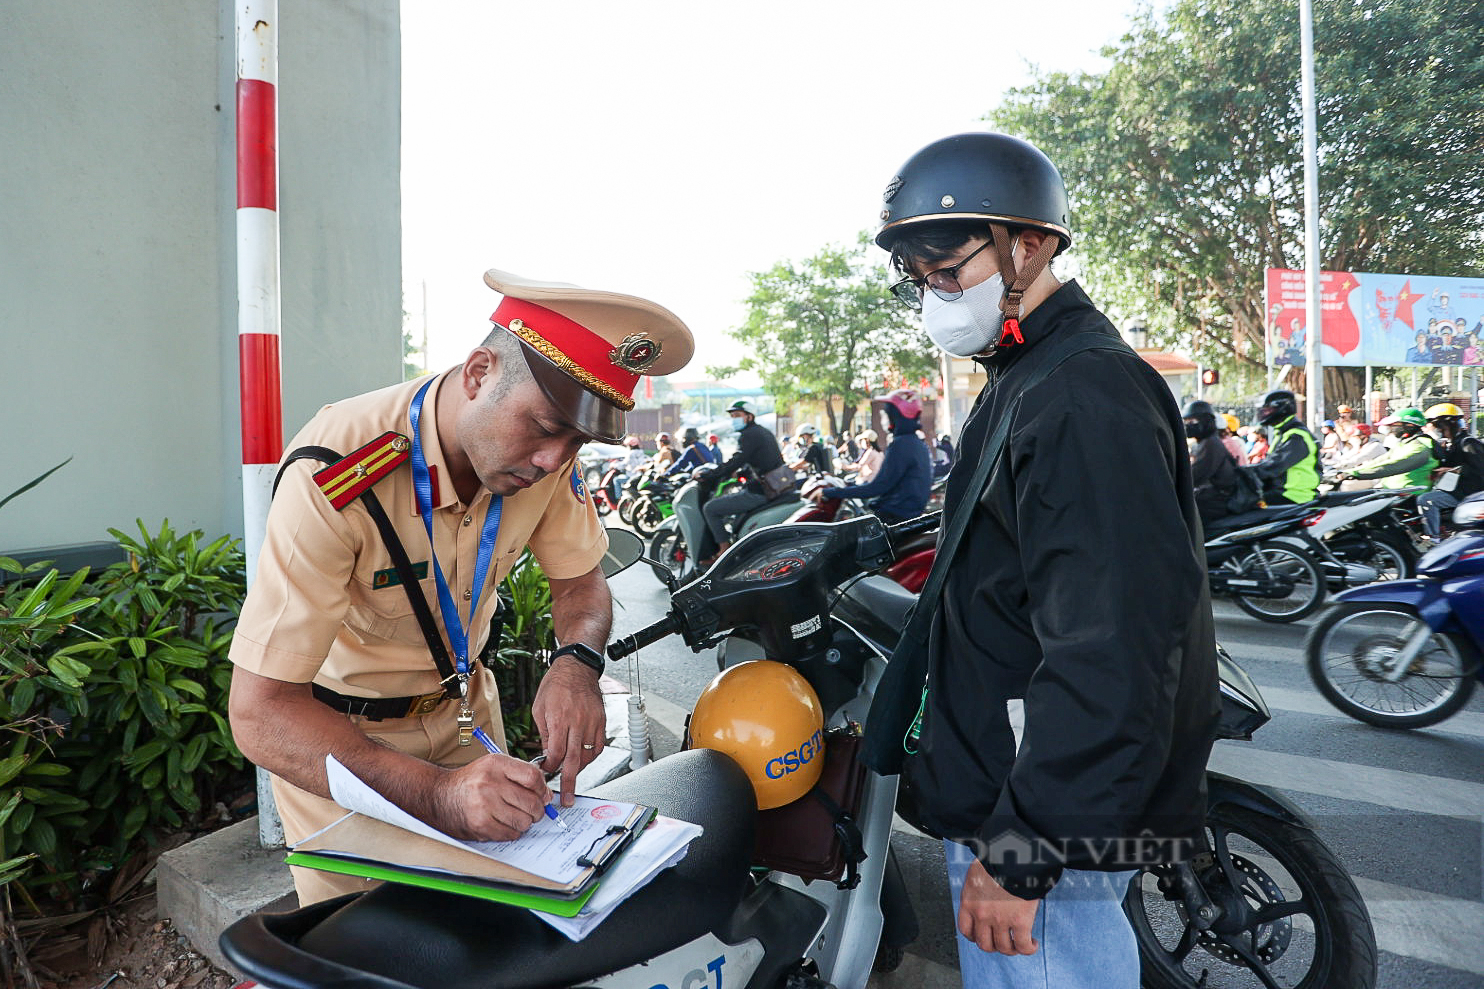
[(583, 653)]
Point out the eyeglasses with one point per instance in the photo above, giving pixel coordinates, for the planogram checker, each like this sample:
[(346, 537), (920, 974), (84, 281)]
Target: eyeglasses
[(943, 282)]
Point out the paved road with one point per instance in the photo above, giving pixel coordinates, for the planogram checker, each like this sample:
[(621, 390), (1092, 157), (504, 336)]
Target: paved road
[(1403, 810)]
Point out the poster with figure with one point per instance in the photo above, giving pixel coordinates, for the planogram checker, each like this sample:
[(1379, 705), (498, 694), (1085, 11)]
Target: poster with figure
[(1386, 320)]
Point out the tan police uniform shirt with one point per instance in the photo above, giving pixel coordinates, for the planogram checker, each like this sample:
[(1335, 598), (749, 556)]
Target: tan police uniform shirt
[(325, 605)]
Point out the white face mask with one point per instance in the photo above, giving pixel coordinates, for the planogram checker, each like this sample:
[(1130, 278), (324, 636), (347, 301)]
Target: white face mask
[(969, 324)]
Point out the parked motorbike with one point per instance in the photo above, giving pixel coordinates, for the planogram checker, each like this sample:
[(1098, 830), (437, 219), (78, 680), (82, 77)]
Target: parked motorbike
[(1406, 653), (711, 919), (684, 538), (1277, 580), (1263, 893)]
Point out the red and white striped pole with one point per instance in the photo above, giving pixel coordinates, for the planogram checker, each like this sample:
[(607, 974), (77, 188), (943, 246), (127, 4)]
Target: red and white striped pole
[(258, 303)]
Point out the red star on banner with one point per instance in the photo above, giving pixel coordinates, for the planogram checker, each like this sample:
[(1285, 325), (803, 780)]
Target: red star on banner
[(1404, 301)]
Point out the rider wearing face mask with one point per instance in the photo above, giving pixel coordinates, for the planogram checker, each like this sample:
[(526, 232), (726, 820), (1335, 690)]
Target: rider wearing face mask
[(756, 448), (1047, 592), (1213, 471)]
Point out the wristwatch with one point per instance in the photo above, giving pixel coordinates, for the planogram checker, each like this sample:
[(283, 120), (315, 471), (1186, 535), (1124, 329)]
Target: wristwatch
[(583, 653)]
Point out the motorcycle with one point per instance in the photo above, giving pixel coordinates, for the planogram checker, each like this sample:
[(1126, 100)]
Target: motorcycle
[(602, 492), (1263, 892), (684, 538), (654, 504), (1271, 578), (1360, 539), (1406, 654), (1262, 889)]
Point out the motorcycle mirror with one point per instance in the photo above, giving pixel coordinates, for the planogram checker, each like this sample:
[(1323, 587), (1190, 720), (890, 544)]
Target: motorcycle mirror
[(624, 550)]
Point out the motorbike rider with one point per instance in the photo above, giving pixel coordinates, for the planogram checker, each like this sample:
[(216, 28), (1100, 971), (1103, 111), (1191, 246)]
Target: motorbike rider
[(633, 460), (1290, 470), (695, 453), (756, 448), (901, 486), (1462, 451), (1047, 596), (1410, 462), (664, 454), (713, 448), (812, 455), (1213, 471)]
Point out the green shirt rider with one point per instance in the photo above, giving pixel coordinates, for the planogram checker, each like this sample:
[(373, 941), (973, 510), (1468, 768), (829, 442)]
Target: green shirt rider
[(1290, 471), (1410, 463)]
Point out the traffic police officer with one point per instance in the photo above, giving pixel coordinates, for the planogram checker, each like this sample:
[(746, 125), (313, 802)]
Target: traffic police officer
[(444, 480)]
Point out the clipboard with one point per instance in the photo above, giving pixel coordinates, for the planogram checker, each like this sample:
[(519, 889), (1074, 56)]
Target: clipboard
[(359, 845)]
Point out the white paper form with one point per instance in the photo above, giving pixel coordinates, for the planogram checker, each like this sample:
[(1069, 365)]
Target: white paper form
[(545, 850), (660, 846)]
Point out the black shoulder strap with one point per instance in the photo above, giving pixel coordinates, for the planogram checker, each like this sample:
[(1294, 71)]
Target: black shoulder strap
[(899, 694), (450, 677)]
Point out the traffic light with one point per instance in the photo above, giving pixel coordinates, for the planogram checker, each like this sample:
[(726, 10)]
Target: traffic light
[(1210, 376)]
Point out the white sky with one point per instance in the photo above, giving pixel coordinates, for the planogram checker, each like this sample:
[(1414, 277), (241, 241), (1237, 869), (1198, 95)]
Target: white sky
[(667, 149)]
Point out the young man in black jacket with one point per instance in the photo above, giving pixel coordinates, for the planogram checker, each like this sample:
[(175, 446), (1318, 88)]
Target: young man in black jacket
[(756, 448), (1079, 585)]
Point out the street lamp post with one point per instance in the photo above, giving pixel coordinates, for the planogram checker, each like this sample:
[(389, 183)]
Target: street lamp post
[(1313, 310)]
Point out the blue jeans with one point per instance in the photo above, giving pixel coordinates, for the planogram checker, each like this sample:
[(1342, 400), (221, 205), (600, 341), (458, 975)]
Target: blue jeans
[(1085, 939), (1433, 505)]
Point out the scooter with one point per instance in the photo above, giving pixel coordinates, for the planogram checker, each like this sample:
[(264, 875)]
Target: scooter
[(713, 920), (1261, 875), (1277, 580), (1359, 540), (1406, 653), (602, 492), (684, 538)]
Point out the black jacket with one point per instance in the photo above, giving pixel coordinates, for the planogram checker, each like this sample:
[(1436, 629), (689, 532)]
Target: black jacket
[(1466, 452), (1213, 471), (1080, 586), (756, 448)]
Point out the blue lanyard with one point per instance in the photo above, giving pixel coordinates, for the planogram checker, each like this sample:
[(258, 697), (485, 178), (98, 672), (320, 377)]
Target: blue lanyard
[(422, 484)]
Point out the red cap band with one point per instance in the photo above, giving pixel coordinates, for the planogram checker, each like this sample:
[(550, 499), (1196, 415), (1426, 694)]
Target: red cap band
[(571, 340)]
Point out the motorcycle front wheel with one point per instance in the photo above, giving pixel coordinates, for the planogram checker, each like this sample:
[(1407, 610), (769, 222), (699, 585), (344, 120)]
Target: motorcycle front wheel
[(1351, 654), (669, 549), (1273, 561), (647, 517), (626, 505), (1290, 914)]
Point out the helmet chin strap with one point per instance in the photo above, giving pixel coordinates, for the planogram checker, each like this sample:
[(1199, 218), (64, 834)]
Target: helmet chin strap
[(1017, 281)]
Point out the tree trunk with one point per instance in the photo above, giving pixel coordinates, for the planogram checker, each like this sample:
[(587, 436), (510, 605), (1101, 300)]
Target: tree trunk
[(829, 411)]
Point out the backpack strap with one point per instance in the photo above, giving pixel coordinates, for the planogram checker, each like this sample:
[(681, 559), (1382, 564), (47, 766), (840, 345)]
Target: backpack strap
[(852, 845), (342, 483)]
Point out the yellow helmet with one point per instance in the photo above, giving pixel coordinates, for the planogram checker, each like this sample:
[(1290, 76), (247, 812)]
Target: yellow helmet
[(766, 716), (1443, 409), (1232, 425)]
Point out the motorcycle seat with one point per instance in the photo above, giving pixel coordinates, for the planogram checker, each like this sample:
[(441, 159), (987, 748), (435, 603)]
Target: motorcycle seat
[(876, 599), (1349, 497), (395, 936), (1260, 516)]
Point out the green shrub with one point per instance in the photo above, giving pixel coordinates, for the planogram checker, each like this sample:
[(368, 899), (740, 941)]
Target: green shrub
[(519, 656), (112, 699)]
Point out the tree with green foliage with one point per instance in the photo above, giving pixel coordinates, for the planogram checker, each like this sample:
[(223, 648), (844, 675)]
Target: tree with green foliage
[(826, 328), (1184, 159)]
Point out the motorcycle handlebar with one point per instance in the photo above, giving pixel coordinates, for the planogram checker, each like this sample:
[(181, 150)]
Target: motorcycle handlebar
[(913, 527), (620, 648)]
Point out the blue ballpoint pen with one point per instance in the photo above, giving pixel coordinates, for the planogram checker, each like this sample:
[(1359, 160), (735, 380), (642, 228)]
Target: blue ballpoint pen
[(489, 743)]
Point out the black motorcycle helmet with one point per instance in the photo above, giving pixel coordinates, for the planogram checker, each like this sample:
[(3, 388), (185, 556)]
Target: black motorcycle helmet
[(982, 176), (1200, 419), (1277, 406), (691, 435)]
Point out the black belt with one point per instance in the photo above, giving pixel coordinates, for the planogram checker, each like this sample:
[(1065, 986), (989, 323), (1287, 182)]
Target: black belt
[(379, 708)]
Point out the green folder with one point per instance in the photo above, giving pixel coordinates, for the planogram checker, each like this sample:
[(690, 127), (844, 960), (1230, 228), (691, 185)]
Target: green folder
[(562, 906)]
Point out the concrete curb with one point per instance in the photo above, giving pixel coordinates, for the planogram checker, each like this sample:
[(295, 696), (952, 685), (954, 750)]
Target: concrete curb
[(209, 884)]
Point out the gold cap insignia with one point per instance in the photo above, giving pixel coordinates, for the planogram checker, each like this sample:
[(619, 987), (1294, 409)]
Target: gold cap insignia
[(637, 353)]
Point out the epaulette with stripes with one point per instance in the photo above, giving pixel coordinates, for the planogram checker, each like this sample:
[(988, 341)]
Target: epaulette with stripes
[(348, 478)]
